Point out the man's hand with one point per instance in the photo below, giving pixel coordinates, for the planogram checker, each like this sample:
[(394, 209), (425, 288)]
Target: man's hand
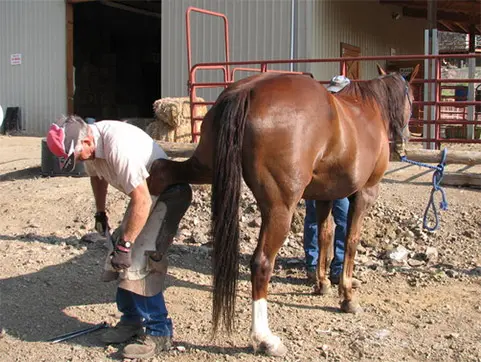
[(101, 222), (121, 256)]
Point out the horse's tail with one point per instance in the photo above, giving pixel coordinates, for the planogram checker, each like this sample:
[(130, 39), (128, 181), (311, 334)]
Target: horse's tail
[(229, 124)]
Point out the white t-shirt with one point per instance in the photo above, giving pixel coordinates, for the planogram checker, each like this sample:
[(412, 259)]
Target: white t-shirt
[(123, 154)]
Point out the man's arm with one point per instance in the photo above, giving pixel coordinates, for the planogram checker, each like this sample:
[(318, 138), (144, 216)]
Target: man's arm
[(140, 203), (99, 187)]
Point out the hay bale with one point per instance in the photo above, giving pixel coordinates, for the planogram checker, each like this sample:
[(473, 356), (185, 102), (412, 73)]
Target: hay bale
[(172, 119)]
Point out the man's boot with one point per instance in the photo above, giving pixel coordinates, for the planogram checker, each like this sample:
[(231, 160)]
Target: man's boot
[(121, 333), (147, 346)]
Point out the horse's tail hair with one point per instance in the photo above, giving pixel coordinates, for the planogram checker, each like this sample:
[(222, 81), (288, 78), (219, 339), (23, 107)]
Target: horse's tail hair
[(229, 123)]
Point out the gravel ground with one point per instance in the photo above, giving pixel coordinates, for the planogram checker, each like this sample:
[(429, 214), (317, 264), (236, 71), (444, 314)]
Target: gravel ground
[(420, 291)]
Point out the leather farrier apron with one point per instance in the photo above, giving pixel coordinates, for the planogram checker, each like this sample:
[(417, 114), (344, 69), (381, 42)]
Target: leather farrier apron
[(146, 275)]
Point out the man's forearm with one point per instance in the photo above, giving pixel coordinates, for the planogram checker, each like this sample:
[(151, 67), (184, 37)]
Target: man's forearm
[(139, 213), (99, 188)]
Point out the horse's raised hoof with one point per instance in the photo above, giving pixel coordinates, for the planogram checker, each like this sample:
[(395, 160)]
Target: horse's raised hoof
[(279, 350), (322, 288), (350, 306)]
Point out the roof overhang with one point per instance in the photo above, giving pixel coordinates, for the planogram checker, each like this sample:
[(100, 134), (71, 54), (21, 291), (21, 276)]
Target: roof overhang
[(460, 16)]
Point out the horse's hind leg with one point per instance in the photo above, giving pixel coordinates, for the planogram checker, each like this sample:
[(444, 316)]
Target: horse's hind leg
[(324, 238), (275, 226), (165, 172), (358, 207)]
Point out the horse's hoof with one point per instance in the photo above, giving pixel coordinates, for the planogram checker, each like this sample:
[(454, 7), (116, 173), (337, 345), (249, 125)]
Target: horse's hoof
[(322, 288), (279, 350), (350, 306)]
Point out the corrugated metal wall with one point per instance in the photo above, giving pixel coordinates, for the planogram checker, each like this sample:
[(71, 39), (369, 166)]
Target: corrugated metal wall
[(35, 29), (259, 29), (365, 24)]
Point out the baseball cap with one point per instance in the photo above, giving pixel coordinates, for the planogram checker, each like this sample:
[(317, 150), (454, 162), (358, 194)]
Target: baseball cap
[(62, 137), (337, 83)]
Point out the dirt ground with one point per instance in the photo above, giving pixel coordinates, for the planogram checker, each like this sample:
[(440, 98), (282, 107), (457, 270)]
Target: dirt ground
[(423, 307)]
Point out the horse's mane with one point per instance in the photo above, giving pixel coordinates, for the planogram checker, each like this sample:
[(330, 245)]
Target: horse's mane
[(389, 92)]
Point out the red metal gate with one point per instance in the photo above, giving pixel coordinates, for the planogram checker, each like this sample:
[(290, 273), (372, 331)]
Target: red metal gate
[(433, 116)]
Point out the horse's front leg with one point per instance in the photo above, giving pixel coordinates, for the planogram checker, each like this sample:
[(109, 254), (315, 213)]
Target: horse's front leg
[(360, 203), (324, 239), (274, 229)]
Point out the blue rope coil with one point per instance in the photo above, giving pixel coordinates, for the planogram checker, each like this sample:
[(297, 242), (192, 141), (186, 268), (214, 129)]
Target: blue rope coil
[(437, 178)]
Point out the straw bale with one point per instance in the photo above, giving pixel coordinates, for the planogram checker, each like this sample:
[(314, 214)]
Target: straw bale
[(172, 119)]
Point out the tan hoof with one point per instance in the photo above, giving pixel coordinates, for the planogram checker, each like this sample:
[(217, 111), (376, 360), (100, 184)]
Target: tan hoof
[(322, 288), (350, 306), (279, 350)]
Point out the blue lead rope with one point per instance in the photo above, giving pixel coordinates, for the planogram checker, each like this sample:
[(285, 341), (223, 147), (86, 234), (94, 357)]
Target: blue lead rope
[(437, 177)]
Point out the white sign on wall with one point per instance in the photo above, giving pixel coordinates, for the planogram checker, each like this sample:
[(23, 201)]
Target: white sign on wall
[(15, 59)]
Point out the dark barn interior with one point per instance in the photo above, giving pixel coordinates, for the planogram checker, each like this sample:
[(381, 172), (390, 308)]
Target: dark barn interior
[(116, 60)]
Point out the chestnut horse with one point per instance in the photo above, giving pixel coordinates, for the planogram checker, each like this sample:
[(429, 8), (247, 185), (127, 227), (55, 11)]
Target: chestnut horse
[(289, 139)]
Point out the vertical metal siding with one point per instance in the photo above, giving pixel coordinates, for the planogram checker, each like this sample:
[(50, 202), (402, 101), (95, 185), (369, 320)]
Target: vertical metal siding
[(365, 24), (259, 29), (36, 29)]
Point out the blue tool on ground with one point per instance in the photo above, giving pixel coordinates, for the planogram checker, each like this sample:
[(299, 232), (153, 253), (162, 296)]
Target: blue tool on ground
[(78, 333)]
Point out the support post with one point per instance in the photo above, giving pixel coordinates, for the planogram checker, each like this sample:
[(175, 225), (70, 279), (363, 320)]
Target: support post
[(426, 97), (430, 47), (471, 97), (434, 86)]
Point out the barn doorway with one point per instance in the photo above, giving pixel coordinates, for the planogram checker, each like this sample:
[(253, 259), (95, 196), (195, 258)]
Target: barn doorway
[(115, 59)]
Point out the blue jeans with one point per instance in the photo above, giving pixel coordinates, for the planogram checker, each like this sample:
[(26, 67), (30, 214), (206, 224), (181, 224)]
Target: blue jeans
[(151, 312), (311, 247)]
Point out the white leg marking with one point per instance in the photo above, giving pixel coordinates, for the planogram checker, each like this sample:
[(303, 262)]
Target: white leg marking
[(261, 335)]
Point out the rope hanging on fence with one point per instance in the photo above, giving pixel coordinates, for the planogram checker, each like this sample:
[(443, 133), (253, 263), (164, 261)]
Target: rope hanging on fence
[(437, 177)]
